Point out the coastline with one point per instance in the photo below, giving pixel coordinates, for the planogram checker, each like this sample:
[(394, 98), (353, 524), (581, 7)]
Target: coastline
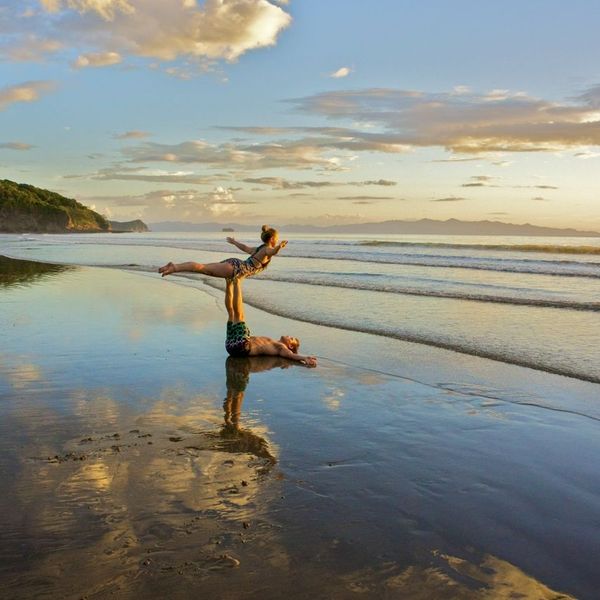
[(392, 469)]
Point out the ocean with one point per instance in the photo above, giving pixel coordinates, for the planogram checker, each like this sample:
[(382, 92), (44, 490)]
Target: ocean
[(533, 302)]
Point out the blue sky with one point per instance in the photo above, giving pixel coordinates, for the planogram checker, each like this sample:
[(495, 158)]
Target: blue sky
[(229, 110)]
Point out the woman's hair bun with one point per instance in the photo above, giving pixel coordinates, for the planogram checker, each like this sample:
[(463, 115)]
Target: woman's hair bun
[(265, 227)]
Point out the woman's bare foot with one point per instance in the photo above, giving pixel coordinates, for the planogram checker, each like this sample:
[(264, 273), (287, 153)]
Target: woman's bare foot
[(167, 269)]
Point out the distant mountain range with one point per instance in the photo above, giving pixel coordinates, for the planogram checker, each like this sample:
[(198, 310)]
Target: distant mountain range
[(423, 227)]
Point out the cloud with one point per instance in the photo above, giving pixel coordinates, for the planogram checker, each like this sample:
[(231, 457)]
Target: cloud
[(449, 199), (171, 205), (496, 121), (120, 173), (212, 30), (29, 91), (132, 135), (385, 182), (341, 72), (454, 159), (97, 59), (481, 181), (366, 198), (279, 183), (16, 146), (29, 48), (296, 154)]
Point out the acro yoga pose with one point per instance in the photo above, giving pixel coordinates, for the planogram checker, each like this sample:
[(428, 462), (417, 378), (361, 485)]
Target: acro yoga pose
[(239, 342), (234, 268)]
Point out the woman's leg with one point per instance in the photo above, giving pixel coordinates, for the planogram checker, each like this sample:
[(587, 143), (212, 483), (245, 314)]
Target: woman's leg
[(238, 301), (220, 269)]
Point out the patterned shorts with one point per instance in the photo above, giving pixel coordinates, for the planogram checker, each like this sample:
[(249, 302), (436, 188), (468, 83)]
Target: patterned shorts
[(242, 268), (237, 342)]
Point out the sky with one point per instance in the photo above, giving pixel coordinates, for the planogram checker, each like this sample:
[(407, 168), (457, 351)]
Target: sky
[(306, 111)]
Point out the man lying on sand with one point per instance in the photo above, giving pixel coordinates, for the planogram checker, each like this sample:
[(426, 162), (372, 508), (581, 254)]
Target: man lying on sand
[(239, 342)]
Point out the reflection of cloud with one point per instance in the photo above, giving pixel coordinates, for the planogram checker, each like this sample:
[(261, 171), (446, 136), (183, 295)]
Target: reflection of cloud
[(24, 374), (19, 371), (453, 577), (334, 397)]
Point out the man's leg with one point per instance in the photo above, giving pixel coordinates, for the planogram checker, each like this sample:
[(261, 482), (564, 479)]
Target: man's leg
[(238, 301), (229, 299)]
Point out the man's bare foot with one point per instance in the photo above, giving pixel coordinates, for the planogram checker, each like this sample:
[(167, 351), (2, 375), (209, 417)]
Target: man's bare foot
[(167, 269)]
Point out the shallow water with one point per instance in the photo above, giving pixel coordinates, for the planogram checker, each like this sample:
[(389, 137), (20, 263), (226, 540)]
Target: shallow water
[(526, 301), (324, 483)]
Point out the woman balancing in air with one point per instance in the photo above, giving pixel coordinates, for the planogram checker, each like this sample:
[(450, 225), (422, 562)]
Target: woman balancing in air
[(234, 268)]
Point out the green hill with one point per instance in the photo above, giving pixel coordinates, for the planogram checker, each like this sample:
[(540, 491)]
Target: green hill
[(28, 209)]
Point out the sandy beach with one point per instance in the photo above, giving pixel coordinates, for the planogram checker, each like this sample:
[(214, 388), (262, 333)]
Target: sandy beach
[(138, 462)]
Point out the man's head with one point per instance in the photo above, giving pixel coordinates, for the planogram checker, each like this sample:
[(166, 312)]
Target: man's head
[(291, 342)]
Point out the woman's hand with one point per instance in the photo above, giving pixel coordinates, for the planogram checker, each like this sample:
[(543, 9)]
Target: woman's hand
[(283, 244), (230, 240)]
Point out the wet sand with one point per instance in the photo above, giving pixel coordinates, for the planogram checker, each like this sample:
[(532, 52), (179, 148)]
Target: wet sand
[(138, 462)]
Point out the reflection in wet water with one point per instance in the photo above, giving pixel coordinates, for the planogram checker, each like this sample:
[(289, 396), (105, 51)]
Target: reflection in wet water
[(174, 491), (24, 272), (125, 474), (236, 437)]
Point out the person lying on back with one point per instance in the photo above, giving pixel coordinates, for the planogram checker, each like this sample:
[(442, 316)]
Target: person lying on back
[(240, 342)]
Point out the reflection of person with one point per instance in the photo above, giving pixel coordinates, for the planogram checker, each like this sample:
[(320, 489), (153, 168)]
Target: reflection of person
[(238, 371), (239, 341), (234, 268)]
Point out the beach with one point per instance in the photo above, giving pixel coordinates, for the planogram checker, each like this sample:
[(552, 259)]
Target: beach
[(138, 462)]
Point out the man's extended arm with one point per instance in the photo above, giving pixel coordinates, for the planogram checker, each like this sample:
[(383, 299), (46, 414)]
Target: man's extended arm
[(309, 361)]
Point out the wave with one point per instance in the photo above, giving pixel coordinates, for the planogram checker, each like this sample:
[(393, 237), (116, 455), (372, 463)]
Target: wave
[(540, 248), (532, 267), (471, 297), (522, 361)]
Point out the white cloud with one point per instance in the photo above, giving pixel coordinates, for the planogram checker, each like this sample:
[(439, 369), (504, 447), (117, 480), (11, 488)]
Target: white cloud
[(216, 29), (29, 91), (107, 9), (171, 205), (97, 59), (340, 73)]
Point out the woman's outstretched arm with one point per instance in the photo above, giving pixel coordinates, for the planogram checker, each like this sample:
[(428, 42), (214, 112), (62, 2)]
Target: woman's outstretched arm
[(242, 247), (275, 250)]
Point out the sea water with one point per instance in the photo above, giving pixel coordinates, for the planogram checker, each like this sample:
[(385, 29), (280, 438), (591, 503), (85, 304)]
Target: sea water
[(533, 301)]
